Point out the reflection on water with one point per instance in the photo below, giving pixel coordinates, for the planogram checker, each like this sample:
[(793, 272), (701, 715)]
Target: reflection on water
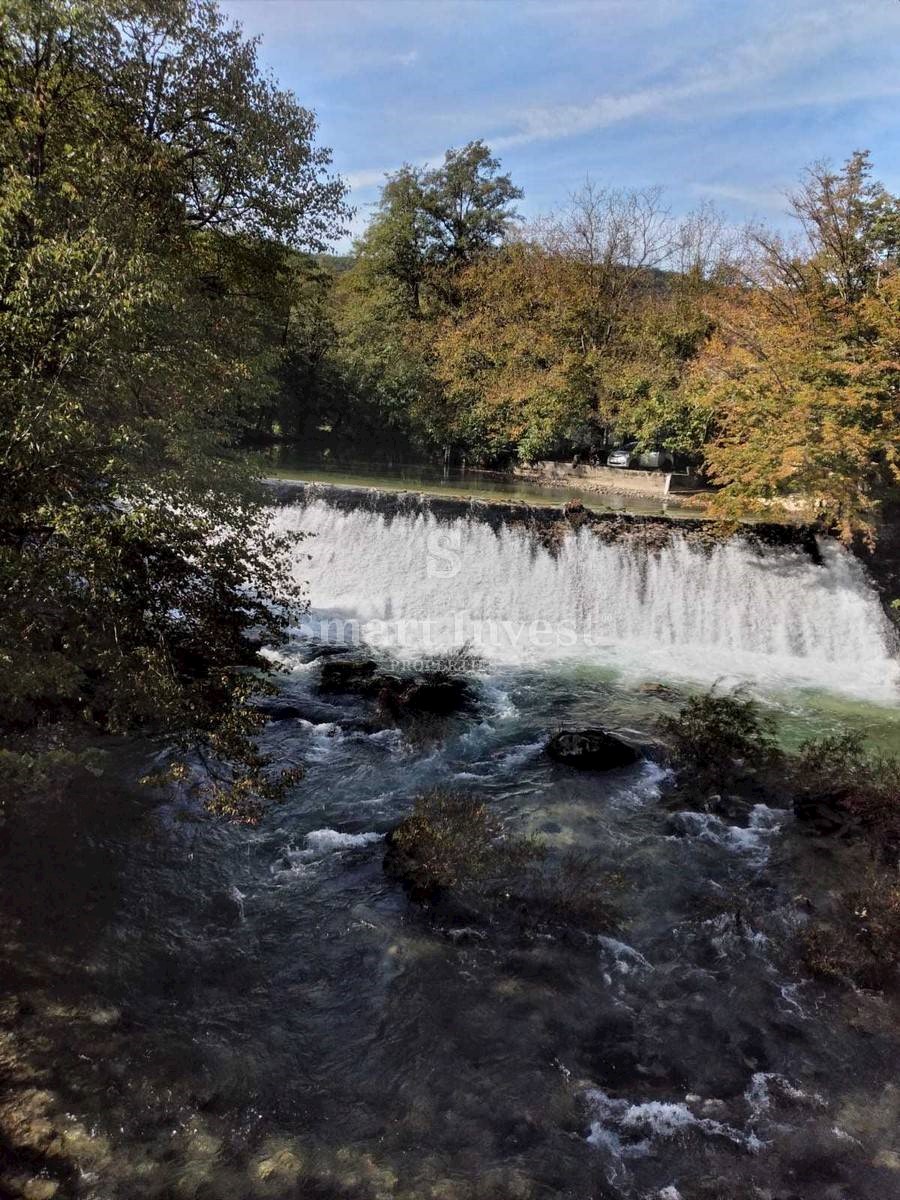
[(208, 1011), (478, 485)]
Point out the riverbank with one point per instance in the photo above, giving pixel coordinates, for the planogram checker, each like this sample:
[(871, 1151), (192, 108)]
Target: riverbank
[(603, 480)]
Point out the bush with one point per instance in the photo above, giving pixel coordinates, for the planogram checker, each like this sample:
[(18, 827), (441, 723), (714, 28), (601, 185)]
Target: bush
[(449, 841), (451, 848), (862, 943), (835, 779), (719, 739)]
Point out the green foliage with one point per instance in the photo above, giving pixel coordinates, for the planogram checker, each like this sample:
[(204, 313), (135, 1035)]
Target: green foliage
[(773, 366), (452, 846), (803, 371), (839, 769), (451, 840), (716, 739), (501, 347), (429, 225), (146, 167)]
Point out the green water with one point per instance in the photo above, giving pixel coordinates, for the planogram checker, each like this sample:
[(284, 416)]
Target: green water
[(478, 485)]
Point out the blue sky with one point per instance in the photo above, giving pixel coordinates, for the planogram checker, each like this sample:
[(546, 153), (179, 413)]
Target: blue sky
[(721, 100)]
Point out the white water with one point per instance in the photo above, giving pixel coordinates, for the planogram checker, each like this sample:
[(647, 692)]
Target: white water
[(415, 586)]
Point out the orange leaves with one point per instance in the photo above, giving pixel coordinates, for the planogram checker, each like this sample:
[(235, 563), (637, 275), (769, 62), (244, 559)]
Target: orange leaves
[(807, 409)]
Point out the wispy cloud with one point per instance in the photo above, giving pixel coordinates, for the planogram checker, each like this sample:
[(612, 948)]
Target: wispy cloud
[(765, 72), (726, 100), (360, 180)]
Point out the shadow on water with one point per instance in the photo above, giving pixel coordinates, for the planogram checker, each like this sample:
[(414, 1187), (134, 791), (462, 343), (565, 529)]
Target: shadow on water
[(200, 1010)]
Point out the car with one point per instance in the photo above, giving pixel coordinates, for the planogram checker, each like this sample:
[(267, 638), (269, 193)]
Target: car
[(628, 455), (621, 456)]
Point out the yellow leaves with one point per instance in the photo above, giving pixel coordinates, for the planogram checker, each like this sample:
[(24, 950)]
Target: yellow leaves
[(807, 403)]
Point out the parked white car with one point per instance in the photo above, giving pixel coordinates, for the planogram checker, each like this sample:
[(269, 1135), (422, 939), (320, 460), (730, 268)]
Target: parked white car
[(649, 460)]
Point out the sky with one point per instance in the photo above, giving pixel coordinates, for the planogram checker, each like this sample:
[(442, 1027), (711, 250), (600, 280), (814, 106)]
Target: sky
[(714, 100)]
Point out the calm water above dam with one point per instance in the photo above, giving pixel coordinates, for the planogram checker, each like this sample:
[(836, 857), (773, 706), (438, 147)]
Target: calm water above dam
[(261, 1012), (478, 485)]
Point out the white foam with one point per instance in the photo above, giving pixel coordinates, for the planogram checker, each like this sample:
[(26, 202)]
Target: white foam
[(751, 839), (619, 1121), (421, 586), (625, 958), (759, 1092), (322, 841), (319, 843)]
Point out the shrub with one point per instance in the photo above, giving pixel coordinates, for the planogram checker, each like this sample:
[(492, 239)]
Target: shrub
[(450, 840), (836, 774), (862, 943), (452, 846), (720, 738)]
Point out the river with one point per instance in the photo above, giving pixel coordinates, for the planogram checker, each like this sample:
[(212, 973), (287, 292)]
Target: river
[(214, 1011)]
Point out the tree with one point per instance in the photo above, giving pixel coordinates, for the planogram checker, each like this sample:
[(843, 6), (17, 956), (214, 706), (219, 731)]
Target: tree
[(573, 331), (146, 166), (430, 226), (804, 372), (504, 360), (467, 204), (394, 249), (432, 223)]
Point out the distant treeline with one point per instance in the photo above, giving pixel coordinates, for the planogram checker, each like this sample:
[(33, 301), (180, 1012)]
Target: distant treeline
[(456, 332)]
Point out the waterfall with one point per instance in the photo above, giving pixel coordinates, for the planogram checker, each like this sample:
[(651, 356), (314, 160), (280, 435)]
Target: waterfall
[(416, 584)]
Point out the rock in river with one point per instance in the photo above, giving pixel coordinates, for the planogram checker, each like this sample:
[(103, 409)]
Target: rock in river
[(591, 749)]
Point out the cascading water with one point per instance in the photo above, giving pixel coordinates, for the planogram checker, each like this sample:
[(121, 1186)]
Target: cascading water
[(414, 583)]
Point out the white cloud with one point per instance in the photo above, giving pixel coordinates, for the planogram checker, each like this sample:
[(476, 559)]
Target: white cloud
[(360, 180), (770, 71)]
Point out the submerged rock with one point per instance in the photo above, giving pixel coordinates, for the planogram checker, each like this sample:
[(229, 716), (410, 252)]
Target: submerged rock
[(591, 750)]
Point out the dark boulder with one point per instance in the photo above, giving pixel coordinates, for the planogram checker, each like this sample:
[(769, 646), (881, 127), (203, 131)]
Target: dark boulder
[(434, 695), (327, 651), (591, 750), (347, 675)]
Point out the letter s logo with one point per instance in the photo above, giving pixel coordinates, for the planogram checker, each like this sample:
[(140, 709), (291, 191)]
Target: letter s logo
[(443, 554)]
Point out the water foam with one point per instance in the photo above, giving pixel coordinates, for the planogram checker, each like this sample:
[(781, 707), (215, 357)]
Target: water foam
[(625, 1129), (318, 844), (416, 585)]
